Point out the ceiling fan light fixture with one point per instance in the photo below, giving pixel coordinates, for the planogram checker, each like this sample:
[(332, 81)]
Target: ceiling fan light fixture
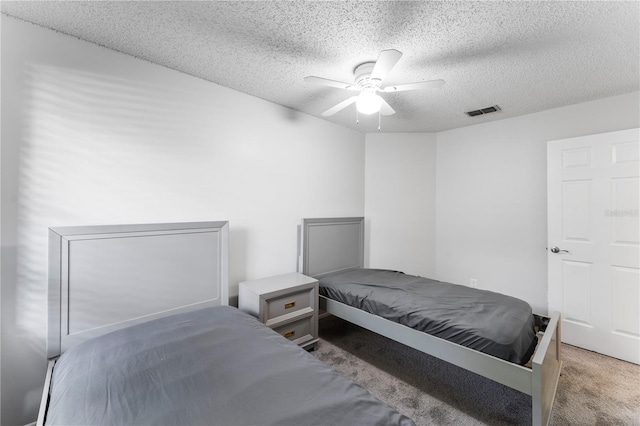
[(369, 80), (368, 102)]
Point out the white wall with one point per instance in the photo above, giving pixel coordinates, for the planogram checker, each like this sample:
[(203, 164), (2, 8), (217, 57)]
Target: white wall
[(91, 136), (491, 202), (400, 211)]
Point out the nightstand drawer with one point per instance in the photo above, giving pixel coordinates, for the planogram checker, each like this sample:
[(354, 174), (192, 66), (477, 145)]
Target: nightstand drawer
[(290, 303), (297, 331)]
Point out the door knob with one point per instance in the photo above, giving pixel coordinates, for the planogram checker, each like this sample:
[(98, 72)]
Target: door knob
[(558, 250)]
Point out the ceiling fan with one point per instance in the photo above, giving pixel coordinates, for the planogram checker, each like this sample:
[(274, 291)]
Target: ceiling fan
[(369, 77)]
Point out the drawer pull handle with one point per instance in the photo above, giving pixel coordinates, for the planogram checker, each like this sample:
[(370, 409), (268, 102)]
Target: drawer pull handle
[(290, 305), (290, 334)]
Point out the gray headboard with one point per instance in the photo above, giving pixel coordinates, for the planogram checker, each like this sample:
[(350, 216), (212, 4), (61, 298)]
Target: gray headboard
[(332, 245), (102, 278)]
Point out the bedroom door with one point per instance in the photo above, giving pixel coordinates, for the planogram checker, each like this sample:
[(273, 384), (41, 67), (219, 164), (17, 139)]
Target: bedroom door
[(593, 201)]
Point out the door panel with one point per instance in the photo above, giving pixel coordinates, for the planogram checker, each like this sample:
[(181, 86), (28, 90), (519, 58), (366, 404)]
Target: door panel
[(576, 214), (576, 298), (625, 294)]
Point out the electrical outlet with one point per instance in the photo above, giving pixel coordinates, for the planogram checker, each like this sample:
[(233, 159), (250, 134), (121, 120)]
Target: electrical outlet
[(473, 283)]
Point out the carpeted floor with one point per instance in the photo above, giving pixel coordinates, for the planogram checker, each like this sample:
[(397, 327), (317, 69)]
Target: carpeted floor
[(593, 389)]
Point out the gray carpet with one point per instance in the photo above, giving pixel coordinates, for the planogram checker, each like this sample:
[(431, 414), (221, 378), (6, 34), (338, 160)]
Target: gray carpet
[(593, 389)]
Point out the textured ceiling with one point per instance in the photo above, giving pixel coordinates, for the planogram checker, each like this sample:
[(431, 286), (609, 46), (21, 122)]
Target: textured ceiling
[(523, 56)]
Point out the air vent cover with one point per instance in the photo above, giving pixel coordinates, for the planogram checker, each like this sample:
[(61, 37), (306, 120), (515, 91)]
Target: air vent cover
[(483, 111)]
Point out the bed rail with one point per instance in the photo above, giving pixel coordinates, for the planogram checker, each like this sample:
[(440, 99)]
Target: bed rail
[(504, 372), (44, 402)]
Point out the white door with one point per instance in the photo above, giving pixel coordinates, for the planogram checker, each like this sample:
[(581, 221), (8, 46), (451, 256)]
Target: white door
[(594, 241)]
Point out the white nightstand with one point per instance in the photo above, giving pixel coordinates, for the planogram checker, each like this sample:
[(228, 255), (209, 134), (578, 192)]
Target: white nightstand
[(286, 303)]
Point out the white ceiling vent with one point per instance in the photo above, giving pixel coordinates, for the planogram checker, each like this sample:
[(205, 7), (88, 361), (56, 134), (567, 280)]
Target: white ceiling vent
[(483, 111)]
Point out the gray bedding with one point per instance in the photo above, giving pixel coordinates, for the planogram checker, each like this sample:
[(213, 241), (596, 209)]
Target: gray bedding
[(212, 366), (488, 322)]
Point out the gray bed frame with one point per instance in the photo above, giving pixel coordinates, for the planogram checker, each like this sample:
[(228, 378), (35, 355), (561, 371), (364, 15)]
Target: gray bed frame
[(103, 278), (337, 244)]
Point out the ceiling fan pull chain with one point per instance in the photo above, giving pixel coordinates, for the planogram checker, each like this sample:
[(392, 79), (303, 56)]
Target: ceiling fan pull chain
[(357, 117), (379, 120)]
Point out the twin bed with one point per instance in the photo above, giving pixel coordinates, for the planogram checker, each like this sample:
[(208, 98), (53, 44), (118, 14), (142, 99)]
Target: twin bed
[(140, 332), (490, 334)]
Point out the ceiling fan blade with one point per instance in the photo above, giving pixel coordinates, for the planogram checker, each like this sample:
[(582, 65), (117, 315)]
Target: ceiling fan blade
[(386, 61), (330, 83), (431, 84), (385, 108), (342, 105)]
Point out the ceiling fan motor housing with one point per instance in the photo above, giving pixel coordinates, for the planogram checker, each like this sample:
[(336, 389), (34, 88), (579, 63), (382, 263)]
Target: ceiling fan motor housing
[(363, 76)]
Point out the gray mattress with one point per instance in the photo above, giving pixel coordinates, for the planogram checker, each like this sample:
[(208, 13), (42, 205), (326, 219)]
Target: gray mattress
[(212, 366), (488, 322)]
